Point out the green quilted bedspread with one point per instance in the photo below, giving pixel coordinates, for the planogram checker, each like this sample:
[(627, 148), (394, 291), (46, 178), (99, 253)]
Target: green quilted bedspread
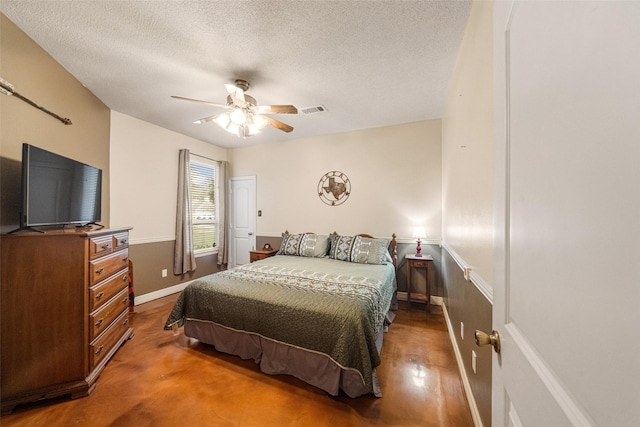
[(319, 304)]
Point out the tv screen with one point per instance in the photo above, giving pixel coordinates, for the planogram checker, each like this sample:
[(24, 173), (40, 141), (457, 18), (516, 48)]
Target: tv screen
[(58, 190)]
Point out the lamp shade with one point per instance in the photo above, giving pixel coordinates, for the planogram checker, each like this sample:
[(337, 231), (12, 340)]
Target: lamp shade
[(418, 233)]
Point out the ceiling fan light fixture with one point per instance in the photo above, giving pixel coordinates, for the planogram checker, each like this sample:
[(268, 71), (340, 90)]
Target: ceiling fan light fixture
[(233, 128), (259, 121), (244, 117), (249, 130), (241, 122), (222, 120), (238, 116), (252, 129)]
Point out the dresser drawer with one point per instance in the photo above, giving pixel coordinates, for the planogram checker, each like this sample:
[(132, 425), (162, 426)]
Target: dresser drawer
[(100, 246), (107, 289), (120, 240), (102, 268), (100, 320), (102, 345), (419, 263)]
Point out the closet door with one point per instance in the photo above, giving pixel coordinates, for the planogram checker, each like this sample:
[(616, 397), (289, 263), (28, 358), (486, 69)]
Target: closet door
[(243, 220)]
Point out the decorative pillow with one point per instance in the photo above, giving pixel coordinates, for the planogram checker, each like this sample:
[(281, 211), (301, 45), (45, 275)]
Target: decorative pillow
[(359, 249), (314, 245), (369, 251), (290, 244), (306, 244), (341, 247)]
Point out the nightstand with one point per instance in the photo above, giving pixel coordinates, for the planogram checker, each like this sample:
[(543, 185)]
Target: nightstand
[(426, 262), (259, 254)]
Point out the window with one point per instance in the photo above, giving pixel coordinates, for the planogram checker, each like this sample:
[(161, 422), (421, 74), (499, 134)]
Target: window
[(204, 214)]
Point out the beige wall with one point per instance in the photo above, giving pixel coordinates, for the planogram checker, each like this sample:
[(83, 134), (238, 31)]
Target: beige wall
[(467, 149), (467, 203), (395, 175), (144, 191), (37, 76), (145, 176)]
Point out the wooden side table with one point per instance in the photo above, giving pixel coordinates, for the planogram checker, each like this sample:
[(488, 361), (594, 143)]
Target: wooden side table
[(426, 262), (261, 254)]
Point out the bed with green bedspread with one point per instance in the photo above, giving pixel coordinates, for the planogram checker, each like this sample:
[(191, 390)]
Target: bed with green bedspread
[(322, 305)]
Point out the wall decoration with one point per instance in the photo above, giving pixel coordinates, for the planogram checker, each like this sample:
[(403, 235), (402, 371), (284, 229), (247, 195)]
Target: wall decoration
[(7, 89), (334, 188)]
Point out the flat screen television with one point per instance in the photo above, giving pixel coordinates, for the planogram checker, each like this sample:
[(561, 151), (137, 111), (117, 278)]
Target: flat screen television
[(57, 190)]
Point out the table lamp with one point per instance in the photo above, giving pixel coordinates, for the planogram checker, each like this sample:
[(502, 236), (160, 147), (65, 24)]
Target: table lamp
[(418, 233)]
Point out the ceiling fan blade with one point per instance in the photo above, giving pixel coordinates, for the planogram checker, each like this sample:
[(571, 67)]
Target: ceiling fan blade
[(206, 119), (277, 109), (236, 94), (278, 124), (198, 100)]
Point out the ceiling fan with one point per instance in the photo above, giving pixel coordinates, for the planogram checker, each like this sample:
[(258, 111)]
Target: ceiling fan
[(243, 117)]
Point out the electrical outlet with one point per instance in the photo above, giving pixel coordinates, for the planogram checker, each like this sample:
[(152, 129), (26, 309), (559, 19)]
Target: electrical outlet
[(461, 330), (164, 272), (474, 358), (467, 273)]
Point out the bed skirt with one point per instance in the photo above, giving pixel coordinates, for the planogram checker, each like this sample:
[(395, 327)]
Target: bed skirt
[(275, 357)]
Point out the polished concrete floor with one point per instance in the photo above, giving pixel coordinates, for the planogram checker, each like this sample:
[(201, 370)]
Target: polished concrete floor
[(158, 379)]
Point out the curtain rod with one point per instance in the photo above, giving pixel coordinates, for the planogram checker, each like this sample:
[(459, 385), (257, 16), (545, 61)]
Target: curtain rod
[(208, 158)]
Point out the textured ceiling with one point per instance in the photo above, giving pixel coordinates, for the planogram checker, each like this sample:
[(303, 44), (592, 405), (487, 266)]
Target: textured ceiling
[(369, 63)]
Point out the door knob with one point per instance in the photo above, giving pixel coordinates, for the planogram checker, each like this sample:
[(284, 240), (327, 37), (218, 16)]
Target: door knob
[(482, 339)]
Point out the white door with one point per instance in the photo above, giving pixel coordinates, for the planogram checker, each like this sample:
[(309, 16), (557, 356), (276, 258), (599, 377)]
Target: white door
[(242, 225), (567, 291)]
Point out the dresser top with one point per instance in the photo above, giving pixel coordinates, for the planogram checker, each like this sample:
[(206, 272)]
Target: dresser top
[(71, 231)]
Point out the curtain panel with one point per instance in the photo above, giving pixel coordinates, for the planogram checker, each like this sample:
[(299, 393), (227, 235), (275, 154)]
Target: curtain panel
[(223, 210), (184, 259)]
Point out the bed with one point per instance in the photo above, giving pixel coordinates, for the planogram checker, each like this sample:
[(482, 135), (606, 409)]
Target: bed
[(316, 310)]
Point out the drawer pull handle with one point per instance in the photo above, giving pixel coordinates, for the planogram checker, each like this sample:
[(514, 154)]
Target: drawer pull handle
[(126, 322), (99, 296), (125, 300), (100, 270), (99, 322), (99, 350), (123, 241), (125, 278), (125, 259), (105, 246)]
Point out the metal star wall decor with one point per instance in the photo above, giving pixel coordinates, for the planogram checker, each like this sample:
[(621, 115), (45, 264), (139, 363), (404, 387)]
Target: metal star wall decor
[(334, 188)]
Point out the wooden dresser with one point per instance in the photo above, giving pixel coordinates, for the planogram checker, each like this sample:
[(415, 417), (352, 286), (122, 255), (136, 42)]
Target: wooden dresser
[(64, 311)]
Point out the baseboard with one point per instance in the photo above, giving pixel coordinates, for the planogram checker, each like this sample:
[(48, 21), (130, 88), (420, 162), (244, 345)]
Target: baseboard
[(475, 414), (161, 293)]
